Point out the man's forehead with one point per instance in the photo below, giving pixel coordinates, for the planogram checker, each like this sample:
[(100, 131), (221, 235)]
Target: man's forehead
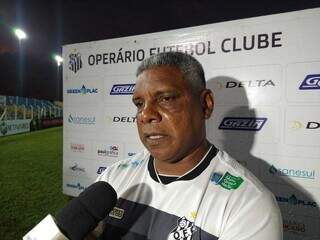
[(164, 75)]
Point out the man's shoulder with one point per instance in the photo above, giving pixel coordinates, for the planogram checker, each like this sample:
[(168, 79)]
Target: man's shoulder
[(232, 172)]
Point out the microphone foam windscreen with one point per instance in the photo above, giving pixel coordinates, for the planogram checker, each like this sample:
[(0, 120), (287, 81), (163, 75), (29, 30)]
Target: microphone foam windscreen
[(82, 214)]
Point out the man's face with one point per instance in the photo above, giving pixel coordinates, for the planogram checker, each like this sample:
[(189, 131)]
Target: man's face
[(170, 119)]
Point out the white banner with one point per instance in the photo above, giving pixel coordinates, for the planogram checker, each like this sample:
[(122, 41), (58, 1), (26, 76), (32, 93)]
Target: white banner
[(265, 76)]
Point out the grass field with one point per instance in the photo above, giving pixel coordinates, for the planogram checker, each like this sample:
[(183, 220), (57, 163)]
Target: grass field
[(30, 180)]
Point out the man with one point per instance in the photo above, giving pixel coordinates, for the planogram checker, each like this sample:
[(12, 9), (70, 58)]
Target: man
[(182, 187)]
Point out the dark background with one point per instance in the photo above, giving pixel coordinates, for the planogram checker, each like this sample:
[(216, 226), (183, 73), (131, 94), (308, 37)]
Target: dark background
[(28, 69)]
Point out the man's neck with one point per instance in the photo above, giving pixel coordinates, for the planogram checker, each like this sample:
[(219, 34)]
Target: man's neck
[(179, 168)]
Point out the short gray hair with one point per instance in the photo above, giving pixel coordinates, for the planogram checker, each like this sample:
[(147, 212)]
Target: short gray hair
[(190, 67)]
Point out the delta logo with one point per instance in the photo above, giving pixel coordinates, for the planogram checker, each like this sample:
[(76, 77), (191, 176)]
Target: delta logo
[(83, 90), (242, 123), (121, 119), (250, 84), (311, 125), (122, 89), (311, 82), (289, 172), (293, 200)]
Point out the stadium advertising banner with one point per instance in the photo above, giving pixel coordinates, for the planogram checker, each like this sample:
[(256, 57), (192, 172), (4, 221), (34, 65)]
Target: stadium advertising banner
[(10, 127), (265, 76)]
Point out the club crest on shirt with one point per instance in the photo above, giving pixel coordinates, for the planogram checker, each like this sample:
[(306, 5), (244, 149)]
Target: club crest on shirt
[(183, 230)]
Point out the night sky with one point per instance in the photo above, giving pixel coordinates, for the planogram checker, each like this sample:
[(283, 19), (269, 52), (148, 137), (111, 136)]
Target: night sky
[(28, 69)]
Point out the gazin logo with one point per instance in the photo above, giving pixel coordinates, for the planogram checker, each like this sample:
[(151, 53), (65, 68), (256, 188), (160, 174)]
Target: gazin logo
[(122, 89), (75, 62), (81, 120), (101, 170), (242, 123), (288, 172), (311, 82)]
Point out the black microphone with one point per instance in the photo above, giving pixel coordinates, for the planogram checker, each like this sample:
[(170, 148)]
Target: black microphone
[(81, 215)]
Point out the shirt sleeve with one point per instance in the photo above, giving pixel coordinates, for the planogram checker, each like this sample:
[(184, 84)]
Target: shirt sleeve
[(258, 219)]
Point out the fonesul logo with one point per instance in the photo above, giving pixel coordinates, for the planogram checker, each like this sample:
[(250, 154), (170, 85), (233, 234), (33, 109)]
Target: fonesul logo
[(311, 82), (242, 123), (83, 90), (85, 120), (122, 89), (289, 172)]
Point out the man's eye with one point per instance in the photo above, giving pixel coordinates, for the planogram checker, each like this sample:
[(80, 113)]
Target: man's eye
[(138, 104), (167, 99)]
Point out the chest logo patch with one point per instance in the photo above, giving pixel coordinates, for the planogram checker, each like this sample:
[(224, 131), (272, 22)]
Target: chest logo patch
[(227, 181), (183, 230)]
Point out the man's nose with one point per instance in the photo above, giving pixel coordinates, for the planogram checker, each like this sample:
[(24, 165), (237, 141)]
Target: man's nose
[(149, 114)]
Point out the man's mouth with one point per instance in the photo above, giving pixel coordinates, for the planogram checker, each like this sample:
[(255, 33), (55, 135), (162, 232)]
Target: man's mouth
[(152, 137), (155, 138)]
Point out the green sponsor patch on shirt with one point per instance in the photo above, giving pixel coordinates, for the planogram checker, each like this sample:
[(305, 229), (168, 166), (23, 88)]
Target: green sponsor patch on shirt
[(229, 181)]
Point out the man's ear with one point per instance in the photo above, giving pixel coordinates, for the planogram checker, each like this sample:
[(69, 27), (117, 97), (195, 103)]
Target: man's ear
[(207, 102)]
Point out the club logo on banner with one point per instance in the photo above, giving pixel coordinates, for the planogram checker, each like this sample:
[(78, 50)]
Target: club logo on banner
[(75, 62), (122, 89), (311, 82), (242, 123)]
